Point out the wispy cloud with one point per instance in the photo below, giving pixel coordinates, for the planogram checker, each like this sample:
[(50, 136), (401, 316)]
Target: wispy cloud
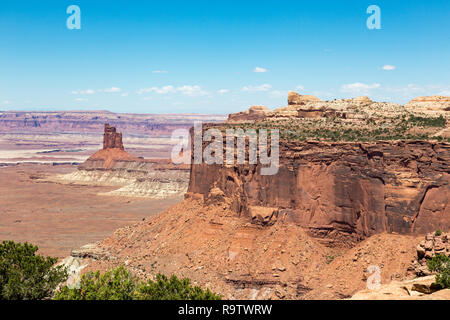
[(159, 90), (111, 90), (160, 71), (88, 91), (92, 91), (263, 87), (359, 87), (260, 70), (187, 90), (223, 91), (192, 91), (388, 67), (80, 99)]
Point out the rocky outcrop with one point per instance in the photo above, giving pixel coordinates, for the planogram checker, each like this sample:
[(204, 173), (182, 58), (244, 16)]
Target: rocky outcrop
[(415, 289), (434, 243), (307, 106), (433, 105), (136, 177), (297, 99), (341, 191), (111, 138), (252, 114)]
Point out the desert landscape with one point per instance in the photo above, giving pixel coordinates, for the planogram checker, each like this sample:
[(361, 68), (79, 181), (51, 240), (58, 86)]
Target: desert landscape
[(48, 202), (360, 184)]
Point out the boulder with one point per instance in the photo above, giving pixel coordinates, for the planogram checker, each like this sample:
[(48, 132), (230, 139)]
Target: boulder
[(296, 99), (254, 113)]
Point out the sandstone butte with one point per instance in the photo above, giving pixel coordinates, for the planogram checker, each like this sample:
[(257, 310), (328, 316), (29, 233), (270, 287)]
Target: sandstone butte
[(311, 231), (134, 176)]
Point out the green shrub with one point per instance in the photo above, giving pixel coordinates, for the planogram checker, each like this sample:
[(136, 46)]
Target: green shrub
[(438, 233), (120, 284), (173, 289), (441, 264), (329, 259), (428, 122), (25, 275)]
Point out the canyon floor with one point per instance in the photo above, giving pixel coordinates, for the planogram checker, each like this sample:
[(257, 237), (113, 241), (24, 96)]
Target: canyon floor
[(59, 218)]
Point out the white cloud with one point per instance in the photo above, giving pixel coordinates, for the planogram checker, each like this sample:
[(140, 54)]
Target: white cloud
[(125, 94), (80, 99), (388, 67), (160, 71), (88, 91), (159, 90), (359, 87), (299, 87), (223, 91), (259, 70), (263, 87), (185, 90), (192, 90), (7, 102), (112, 90)]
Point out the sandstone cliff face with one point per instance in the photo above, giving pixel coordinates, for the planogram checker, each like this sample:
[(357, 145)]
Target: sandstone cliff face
[(341, 191)]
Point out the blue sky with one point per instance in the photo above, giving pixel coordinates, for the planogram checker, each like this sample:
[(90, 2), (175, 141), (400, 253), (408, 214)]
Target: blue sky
[(218, 56)]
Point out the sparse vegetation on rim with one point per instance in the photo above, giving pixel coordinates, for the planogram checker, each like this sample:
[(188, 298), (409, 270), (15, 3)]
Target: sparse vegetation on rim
[(401, 127)]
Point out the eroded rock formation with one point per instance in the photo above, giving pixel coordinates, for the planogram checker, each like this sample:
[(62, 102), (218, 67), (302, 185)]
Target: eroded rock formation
[(111, 138), (433, 244), (252, 114), (113, 166), (297, 99), (341, 191), (432, 104), (250, 236)]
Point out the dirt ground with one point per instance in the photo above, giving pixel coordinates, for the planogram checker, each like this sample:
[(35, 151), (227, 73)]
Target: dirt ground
[(59, 218)]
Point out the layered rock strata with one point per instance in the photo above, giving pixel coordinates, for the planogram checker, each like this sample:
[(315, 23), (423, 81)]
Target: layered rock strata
[(340, 191)]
